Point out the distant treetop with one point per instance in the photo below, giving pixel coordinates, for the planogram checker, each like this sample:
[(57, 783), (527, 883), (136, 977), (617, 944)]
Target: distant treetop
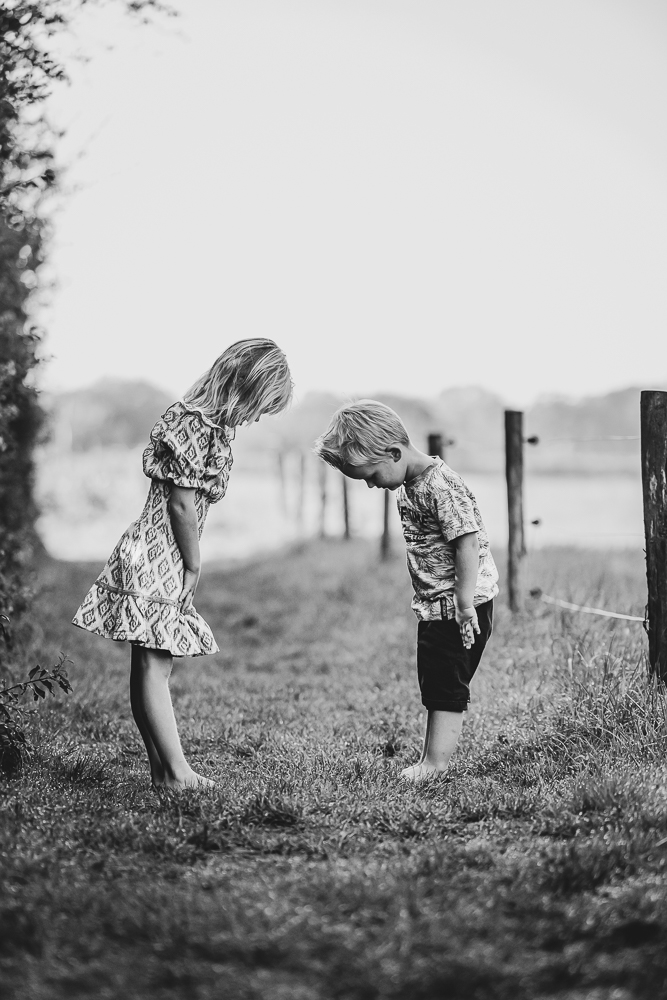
[(110, 413)]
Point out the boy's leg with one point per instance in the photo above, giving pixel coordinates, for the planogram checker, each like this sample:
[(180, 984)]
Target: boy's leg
[(443, 730), (445, 668), (153, 668)]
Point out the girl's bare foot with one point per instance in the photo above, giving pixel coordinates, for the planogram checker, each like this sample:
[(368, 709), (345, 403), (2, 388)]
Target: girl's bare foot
[(190, 779), (420, 771)]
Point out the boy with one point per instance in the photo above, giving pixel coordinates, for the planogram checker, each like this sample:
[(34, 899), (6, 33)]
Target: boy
[(453, 573)]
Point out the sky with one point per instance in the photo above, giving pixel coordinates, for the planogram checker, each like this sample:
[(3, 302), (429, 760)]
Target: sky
[(406, 195)]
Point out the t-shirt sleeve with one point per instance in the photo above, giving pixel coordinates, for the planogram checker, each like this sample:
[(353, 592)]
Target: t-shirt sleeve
[(178, 450), (454, 509)]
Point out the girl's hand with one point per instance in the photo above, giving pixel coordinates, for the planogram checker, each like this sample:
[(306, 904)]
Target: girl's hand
[(190, 581), (466, 619)]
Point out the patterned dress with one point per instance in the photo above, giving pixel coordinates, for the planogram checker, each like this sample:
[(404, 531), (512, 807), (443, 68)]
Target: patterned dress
[(135, 597)]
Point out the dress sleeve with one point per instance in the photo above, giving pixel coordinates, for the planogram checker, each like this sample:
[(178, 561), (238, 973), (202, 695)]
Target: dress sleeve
[(178, 449), (455, 511)]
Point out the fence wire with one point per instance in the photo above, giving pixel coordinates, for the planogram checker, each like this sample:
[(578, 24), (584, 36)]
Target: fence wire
[(568, 606), (585, 440)]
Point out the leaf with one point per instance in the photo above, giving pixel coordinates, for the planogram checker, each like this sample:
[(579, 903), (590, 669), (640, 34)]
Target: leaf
[(40, 691), (35, 670)]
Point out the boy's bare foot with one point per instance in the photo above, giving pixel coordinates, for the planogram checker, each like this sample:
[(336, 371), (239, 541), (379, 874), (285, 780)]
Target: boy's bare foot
[(420, 771)]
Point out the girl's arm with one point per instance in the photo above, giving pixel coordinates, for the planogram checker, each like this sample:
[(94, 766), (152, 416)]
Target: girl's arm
[(466, 567), (184, 524)]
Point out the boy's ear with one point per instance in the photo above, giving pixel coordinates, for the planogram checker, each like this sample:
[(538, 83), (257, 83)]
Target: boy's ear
[(395, 453)]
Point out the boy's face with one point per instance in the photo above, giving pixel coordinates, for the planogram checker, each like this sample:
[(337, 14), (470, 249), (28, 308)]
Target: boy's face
[(387, 474)]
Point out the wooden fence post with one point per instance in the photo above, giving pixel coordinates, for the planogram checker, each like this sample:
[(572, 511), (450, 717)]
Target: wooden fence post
[(322, 475), (346, 510), (435, 446), (301, 495), (385, 541), (654, 487), (281, 481), (514, 474)]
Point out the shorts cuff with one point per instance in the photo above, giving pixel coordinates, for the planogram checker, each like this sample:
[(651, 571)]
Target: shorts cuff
[(445, 706)]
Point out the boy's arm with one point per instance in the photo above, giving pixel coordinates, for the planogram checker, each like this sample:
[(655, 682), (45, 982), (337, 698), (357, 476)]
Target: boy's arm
[(466, 568)]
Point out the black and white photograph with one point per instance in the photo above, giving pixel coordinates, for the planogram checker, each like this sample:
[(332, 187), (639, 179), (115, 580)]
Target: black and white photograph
[(333, 499)]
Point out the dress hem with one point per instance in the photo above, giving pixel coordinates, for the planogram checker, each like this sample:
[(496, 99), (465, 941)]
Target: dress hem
[(162, 627), (139, 642)]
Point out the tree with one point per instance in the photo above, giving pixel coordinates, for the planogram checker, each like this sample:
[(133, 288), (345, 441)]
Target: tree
[(28, 71)]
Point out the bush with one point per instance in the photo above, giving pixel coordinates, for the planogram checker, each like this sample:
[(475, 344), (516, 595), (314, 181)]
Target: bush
[(28, 69), (14, 716), (20, 415)]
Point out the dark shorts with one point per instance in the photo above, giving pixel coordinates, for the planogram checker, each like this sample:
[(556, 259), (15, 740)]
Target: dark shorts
[(444, 666)]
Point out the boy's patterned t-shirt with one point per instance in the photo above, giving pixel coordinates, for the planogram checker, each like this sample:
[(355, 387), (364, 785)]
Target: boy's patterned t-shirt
[(436, 507)]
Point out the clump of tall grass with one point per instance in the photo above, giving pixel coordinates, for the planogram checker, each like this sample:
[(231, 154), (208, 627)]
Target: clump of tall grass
[(608, 700)]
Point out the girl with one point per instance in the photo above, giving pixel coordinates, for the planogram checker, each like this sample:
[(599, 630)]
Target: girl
[(144, 593)]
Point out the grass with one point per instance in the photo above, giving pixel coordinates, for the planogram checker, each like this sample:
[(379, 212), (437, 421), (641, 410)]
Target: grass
[(536, 869)]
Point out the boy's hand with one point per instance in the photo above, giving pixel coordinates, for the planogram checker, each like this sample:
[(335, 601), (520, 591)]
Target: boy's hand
[(466, 619)]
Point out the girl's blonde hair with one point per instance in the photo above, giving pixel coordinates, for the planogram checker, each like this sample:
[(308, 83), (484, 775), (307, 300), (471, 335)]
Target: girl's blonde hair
[(250, 378), (359, 433)]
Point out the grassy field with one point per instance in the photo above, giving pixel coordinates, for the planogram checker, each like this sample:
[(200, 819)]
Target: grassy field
[(535, 869)]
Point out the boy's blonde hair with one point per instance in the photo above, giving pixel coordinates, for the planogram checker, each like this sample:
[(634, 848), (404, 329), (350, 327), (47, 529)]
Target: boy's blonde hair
[(359, 433), (250, 378)]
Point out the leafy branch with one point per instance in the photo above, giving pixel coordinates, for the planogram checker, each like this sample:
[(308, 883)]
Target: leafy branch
[(14, 715)]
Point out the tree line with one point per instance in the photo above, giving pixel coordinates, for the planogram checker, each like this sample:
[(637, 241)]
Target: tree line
[(28, 71)]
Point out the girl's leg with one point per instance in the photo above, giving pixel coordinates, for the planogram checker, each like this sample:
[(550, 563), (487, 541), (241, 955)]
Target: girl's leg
[(153, 670), (443, 730), (136, 701)]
